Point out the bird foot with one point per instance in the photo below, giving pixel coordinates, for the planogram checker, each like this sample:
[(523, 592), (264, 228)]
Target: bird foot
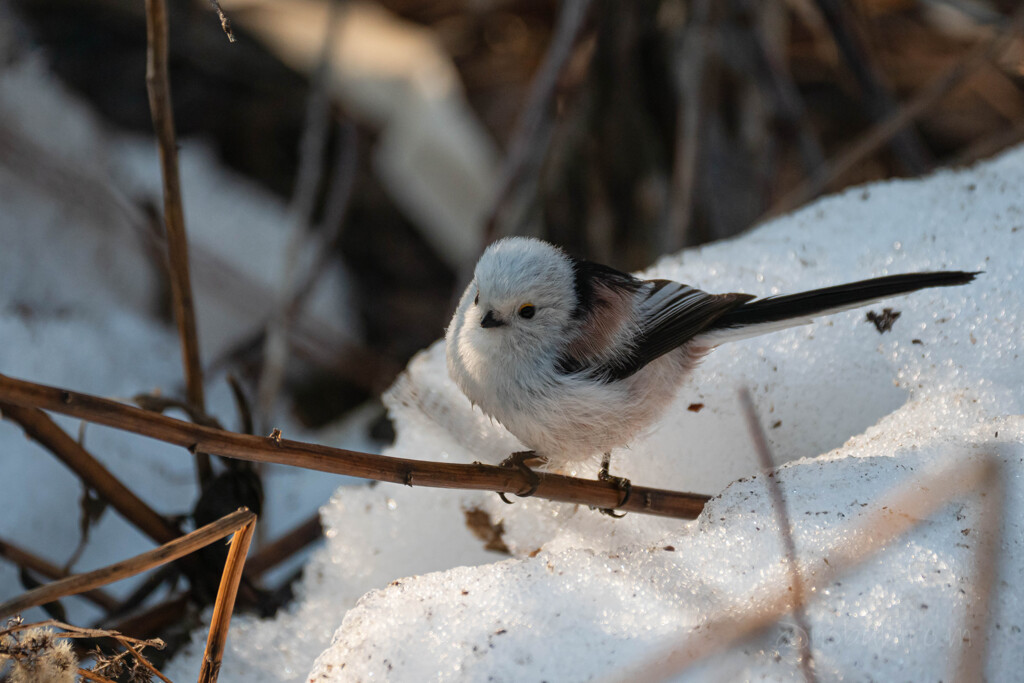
[(624, 485), (519, 460)]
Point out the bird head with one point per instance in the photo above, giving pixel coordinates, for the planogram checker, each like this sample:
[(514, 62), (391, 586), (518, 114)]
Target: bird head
[(522, 297)]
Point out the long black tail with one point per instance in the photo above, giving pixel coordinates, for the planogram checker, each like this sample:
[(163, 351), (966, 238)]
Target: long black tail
[(779, 312)]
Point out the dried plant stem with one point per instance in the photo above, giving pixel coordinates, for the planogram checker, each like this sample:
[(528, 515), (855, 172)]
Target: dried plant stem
[(25, 559), (532, 133), (885, 129), (307, 183), (340, 461), (40, 427), (90, 676), (888, 518), (971, 663), (906, 143), (225, 603), (225, 23), (159, 88), (71, 632), (168, 552), (143, 661), (764, 457), (288, 544), (691, 50)]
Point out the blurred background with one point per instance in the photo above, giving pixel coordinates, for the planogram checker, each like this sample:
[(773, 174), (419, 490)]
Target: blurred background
[(344, 163), (621, 130)]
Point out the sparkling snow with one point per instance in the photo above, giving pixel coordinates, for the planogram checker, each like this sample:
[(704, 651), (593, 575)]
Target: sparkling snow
[(854, 413)]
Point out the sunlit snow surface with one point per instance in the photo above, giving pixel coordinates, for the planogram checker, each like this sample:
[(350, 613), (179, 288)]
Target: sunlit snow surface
[(855, 413)]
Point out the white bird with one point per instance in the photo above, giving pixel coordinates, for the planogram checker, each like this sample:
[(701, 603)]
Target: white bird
[(576, 359)]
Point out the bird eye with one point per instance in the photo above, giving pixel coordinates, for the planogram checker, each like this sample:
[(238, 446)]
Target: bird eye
[(527, 311), (476, 299)]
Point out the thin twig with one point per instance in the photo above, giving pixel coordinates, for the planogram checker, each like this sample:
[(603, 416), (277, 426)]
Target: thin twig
[(906, 143), (166, 574), (689, 78), (529, 142), (881, 133), (891, 516), (336, 208), (161, 404), (142, 660), (225, 603), (312, 144), (241, 405), (764, 457), (24, 558), (225, 23), (168, 552), (73, 632), (340, 461), (785, 94), (70, 632), (970, 665), (40, 427), (92, 676), (159, 87)]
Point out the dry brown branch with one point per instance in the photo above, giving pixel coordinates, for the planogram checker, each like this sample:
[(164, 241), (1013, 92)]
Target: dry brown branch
[(67, 631), (764, 457), (40, 427), (336, 208), (888, 518), (225, 23), (340, 461), (971, 664), (881, 105), (312, 144), (529, 141), (72, 632), (692, 50), (289, 543), (25, 559), (91, 676), (168, 552), (143, 661), (885, 129), (159, 88), (225, 603)]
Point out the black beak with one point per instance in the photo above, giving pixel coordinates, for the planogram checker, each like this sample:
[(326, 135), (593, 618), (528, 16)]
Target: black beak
[(490, 321)]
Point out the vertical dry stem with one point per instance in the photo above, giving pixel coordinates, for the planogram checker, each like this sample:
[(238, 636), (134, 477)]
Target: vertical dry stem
[(158, 85), (225, 603), (764, 456)]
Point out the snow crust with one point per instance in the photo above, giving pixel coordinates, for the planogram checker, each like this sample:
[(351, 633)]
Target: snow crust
[(853, 411)]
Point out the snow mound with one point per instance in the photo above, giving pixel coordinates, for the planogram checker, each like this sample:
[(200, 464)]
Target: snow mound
[(852, 411)]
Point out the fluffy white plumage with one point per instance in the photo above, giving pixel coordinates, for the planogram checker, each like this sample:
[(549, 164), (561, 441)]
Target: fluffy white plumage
[(575, 359)]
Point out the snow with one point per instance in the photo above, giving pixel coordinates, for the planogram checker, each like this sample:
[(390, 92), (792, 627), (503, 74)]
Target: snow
[(78, 297), (403, 590)]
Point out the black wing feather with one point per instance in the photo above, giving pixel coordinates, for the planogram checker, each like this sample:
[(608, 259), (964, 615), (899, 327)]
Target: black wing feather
[(672, 315), (669, 315)]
